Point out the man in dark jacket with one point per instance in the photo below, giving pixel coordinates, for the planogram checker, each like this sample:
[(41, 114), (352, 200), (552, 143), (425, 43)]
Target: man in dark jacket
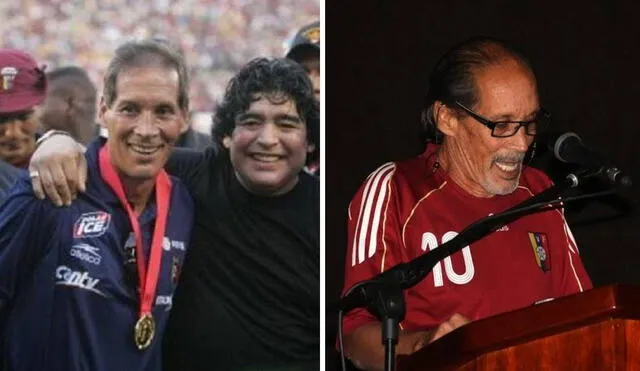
[(8, 175)]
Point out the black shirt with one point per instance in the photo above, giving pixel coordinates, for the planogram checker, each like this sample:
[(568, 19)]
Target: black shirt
[(194, 140), (249, 296)]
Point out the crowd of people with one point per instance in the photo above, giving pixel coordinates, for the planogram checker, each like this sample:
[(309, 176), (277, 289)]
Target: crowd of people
[(217, 37)]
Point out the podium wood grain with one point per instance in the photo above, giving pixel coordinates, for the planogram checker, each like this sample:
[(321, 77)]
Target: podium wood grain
[(595, 330)]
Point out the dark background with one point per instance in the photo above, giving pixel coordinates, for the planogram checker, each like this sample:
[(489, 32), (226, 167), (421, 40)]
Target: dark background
[(378, 58)]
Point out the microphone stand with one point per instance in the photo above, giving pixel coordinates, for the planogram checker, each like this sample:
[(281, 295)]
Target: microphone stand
[(383, 294)]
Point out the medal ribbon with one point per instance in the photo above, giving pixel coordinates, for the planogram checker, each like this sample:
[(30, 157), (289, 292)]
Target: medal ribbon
[(148, 280)]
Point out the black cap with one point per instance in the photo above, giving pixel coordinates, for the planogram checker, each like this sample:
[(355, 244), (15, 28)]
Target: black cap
[(307, 37)]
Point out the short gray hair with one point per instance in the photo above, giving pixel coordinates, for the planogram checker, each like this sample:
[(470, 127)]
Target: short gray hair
[(146, 53)]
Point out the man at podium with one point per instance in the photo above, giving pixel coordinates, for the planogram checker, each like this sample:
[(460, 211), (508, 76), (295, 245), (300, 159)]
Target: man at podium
[(482, 114)]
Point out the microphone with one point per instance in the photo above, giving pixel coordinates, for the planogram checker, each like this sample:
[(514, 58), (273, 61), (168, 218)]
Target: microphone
[(568, 147)]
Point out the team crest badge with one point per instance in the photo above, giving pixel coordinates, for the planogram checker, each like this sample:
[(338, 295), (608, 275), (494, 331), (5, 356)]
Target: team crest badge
[(8, 75), (540, 245), (312, 34)]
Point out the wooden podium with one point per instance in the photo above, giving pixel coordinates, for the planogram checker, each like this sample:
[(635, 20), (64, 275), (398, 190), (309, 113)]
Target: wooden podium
[(595, 330)]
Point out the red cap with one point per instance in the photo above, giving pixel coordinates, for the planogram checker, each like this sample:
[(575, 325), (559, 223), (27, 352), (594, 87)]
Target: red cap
[(22, 84)]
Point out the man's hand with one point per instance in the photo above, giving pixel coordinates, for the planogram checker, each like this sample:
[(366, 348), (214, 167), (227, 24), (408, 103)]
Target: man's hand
[(455, 321), (420, 339), (58, 170), (364, 345)]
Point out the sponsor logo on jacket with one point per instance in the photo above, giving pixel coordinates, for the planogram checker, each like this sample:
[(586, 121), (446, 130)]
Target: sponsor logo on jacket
[(164, 300), (86, 253), (66, 276), (168, 244), (92, 224)]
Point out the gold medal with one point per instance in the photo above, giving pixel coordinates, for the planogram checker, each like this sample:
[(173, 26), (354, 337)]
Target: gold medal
[(144, 331)]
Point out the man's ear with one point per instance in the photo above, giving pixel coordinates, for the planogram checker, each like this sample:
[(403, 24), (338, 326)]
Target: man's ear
[(226, 142), (71, 106), (185, 121), (446, 119), (311, 147)]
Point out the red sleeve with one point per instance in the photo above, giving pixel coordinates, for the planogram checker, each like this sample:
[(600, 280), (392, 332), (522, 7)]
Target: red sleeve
[(570, 276), (374, 236)]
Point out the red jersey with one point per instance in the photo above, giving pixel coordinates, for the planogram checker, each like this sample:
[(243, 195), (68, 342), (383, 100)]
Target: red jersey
[(407, 208)]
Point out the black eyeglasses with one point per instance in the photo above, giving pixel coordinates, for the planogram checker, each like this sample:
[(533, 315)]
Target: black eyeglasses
[(505, 129)]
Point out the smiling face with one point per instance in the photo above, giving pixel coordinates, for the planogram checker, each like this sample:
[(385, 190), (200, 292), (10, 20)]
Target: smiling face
[(144, 121), (268, 146), (482, 164), (17, 137)]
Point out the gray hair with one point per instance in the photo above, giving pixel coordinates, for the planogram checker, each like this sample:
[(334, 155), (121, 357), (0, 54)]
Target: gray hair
[(144, 54), (453, 79)]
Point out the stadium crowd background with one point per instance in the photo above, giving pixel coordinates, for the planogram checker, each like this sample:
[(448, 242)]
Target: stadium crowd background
[(216, 36)]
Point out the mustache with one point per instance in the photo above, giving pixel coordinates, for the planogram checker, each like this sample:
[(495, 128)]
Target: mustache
[(509, 157)]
